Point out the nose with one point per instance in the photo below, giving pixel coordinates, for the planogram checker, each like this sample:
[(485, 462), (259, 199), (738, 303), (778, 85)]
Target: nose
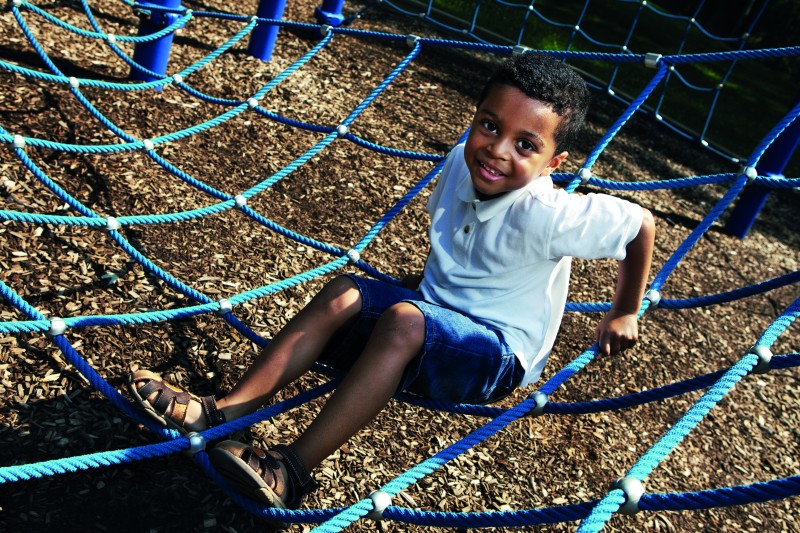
[(498, 148)]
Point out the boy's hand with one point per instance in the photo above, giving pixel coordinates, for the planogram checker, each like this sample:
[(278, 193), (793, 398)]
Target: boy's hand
[(617, 332)]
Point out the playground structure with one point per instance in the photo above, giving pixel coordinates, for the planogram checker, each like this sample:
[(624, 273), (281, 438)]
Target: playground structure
[(59, 328)]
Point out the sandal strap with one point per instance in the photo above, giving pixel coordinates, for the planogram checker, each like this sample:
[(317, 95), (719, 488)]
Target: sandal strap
[(166, 398), (302, 483), (214, 416)]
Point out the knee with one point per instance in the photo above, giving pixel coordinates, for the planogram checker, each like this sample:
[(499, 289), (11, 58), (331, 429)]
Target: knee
[(402, 326), (339, 297)]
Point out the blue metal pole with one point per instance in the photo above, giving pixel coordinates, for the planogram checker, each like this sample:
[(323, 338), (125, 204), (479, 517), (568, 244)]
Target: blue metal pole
[(263, 38), (330, 13), (772, 163), (154, 55)]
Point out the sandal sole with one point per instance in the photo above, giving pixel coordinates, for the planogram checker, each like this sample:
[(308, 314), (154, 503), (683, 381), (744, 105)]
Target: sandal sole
[(246, 481)]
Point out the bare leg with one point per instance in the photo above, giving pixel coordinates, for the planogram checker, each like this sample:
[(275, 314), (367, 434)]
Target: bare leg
[(290, 353), (295, 348), (396, 340)]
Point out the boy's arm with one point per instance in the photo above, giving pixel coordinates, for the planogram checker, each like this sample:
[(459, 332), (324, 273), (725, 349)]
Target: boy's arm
[(619, 329)]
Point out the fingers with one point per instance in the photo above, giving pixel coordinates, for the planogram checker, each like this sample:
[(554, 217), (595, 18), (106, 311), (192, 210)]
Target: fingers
[(609, 344)]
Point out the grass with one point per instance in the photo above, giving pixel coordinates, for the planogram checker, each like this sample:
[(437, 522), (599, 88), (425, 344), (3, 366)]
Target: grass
[(753, 99)]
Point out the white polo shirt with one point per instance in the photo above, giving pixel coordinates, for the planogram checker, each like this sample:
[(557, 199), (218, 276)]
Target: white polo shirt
[(506, 261)]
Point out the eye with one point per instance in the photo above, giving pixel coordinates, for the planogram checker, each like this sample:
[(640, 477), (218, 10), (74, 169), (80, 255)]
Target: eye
[(488, 125), (525, 145)]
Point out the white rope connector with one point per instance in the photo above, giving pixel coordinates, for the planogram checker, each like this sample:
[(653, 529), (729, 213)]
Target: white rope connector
[(654, 296), (380, 501), (149, 145), (177, 78), (634, 490), (651, 60), (111, 38), (254, 18), (57, 327), (112, 224), (611, 92), (659, 117), (411, 39), (240, 200), (541, 400), (577, 28), (252, 102), (585, 175), (225, 307), (74, 82), (750, 172), (197, 443), (519, 49), (353, 255), (341, 130), (530, 7), (764, 357), (16, 3), (18, 141)]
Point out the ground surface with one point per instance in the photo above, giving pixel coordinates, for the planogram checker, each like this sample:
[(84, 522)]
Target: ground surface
[(48, 411)]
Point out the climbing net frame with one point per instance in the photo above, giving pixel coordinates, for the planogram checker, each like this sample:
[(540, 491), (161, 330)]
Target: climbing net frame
[(88, 223)]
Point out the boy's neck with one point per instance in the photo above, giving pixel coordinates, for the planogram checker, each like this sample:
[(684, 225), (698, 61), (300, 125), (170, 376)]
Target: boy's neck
[(483, 197)]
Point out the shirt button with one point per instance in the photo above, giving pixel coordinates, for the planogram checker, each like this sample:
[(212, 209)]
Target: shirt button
[(466, 229)]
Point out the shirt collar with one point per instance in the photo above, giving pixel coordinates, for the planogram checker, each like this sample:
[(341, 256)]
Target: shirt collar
[(486, 209)]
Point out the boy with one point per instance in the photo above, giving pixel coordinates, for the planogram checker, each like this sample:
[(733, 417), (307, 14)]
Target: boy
[(483, 318)]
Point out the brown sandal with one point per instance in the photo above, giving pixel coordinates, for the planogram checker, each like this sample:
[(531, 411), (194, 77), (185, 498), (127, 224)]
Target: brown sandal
[(172, 399), (276, 478)]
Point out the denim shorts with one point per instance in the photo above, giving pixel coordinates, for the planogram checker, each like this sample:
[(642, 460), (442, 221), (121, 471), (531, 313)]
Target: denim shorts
[(462, 360)]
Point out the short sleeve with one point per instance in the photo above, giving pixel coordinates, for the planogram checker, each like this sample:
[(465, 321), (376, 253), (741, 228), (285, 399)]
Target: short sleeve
[(593, 226)]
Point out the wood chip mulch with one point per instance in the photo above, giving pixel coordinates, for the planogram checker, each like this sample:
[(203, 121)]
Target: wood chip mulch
[(49, 411)]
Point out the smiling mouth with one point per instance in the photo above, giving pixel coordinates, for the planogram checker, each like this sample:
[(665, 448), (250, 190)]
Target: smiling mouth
[(490, 173)]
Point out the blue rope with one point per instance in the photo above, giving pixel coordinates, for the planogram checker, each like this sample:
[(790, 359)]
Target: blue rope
[(336, 519)]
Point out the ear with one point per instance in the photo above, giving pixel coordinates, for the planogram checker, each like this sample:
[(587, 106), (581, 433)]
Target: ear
[(555, 162)]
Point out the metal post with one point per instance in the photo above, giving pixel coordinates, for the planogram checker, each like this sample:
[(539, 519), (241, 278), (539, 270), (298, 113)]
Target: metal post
[(771, 164), (330, 13), (262, 41), (154, 55)]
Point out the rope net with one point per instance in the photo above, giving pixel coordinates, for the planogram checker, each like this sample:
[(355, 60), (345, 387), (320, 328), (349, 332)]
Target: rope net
[(175, 224)]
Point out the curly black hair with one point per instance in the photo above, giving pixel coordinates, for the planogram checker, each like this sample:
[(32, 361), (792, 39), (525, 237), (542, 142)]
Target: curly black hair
[(547, 79)]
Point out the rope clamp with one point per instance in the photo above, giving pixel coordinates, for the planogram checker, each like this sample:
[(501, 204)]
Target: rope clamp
[(148, 145), (519, 49), (18, 141), (633, 490), (764, 357), (57, 327), (197, 443), (74, 82), (750, 172), (177, 78), (112, 224), (225, 307), (239, 200), (341, 130), (353, 256), (541, 400), (111, 38), (16, 3), (654, 296), (411, 39), (651, 60), (380, 501), (325, 29), (585, 175)]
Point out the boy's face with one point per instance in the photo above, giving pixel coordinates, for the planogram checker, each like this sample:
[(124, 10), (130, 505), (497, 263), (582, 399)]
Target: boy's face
[(511, 143)]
